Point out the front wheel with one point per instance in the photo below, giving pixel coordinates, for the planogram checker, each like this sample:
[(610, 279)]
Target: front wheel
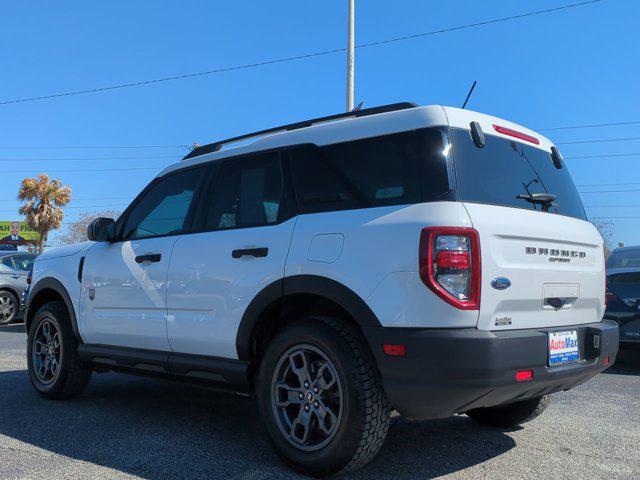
[(512, 415), (321, 399), (55, 370)]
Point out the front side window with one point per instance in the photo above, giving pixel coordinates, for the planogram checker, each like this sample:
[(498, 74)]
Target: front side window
[(397, 169), (249, 192), (165, 209)]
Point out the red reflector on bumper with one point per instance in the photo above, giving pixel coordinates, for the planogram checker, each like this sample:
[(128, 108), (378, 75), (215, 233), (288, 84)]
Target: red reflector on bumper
[(606, 361), (394, 350), (523, 375)]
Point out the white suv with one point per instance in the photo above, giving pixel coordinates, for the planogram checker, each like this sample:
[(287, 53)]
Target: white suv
[(431, 260)]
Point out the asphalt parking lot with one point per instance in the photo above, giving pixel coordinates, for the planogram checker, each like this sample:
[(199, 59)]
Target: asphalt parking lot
[(128, 427)]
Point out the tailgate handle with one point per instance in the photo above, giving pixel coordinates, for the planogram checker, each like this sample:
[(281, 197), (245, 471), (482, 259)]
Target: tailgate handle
[(555, 302)]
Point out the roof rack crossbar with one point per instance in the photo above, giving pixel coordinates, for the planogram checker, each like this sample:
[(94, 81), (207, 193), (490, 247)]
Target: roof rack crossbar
[(216, 146)]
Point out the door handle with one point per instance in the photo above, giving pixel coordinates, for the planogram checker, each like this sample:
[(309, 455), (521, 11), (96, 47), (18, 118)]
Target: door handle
[(151, 257), (250, 252)]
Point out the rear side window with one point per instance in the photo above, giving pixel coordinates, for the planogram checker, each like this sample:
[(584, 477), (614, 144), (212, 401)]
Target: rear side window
[(249, 192), (165, 208), (398, 169), (624, 258), (503, 169)]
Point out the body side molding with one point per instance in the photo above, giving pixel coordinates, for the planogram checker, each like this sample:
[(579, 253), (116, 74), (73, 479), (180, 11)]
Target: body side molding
[(228, 373)]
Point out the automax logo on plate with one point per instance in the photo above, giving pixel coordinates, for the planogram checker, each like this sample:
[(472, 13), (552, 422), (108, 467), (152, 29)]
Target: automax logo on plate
[(563, 345)]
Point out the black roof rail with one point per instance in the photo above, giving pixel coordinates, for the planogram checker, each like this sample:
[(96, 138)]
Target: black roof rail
[(216, 146)]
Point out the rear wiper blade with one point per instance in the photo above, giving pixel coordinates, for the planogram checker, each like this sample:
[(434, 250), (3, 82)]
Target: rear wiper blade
[(545, 200)]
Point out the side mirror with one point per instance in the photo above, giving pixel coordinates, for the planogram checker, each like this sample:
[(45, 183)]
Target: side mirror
[(102, 230)]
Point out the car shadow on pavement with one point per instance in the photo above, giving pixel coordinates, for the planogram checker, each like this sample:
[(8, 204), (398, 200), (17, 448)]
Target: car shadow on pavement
[(156, 430), (627, 362)]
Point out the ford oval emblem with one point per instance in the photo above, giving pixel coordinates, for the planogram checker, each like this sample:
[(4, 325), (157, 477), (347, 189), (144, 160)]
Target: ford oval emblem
[(500, 283)]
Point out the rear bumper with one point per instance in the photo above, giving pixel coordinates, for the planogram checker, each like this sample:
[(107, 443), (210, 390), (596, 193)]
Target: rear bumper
[(446, 372)]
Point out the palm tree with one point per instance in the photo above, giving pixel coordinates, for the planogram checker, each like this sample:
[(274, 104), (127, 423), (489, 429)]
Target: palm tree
[(43, 199)]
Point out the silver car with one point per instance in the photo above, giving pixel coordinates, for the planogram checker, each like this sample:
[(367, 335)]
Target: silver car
[(15, 267)]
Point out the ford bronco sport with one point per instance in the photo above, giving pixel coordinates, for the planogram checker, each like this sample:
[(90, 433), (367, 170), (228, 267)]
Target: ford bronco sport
[(429, 260)]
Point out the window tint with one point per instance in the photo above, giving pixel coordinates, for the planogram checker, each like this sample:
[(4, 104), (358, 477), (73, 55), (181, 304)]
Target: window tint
[(24, 262), (624, 258), (396, 169), (249, 192), (164, 209), (503, 169)]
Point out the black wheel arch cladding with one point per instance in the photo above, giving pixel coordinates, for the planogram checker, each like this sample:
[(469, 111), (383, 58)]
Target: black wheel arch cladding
[(293, 285)]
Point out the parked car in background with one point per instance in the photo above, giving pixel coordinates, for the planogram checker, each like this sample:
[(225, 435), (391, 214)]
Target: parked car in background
[(15, 267), (623, 292)]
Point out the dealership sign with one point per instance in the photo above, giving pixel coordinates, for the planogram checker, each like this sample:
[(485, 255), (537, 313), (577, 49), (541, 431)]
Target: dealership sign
[(17, 233)]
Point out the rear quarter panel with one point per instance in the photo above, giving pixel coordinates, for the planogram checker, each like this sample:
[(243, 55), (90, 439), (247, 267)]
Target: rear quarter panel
[(378, 259)]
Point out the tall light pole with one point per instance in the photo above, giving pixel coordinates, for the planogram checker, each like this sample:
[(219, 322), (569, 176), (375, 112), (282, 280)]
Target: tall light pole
[(350, 54)]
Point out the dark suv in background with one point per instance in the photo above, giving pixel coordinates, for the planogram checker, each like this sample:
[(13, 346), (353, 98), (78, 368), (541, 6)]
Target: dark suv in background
[(623, 292)]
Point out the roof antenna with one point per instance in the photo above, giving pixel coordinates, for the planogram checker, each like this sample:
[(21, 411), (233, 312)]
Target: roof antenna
[(466, 100), (358, 107)]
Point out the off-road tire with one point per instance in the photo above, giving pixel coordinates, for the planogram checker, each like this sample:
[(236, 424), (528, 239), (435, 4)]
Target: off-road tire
[(366, 411), (16, 302), (512, 415), (73, 375)]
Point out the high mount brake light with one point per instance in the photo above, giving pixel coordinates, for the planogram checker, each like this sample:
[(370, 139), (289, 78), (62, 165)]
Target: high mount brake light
[(516, 134), (449, 263)]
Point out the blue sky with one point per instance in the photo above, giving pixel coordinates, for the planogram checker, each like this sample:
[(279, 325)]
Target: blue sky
[(574, 67)]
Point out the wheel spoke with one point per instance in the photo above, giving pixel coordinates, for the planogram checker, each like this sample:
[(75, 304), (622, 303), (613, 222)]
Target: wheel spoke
[(300, 426), (39, 347), (54, 365), (326, 418), (43, 368), (325, 378), (46, 330), (299, 362), (287, 395)]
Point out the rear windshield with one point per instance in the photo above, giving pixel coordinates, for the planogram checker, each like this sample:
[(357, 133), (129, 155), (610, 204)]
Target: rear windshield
[(624, 258), (500, 171)]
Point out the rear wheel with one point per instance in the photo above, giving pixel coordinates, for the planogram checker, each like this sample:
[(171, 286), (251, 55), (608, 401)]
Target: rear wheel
[(55, 370), (320, 397), (512, 415), (9, 307)]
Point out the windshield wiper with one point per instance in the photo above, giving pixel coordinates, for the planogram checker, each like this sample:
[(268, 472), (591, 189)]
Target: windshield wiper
[(545, 200)]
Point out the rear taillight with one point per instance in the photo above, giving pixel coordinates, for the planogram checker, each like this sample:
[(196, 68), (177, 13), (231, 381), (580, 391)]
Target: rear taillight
[(450, 265), (607, 293)]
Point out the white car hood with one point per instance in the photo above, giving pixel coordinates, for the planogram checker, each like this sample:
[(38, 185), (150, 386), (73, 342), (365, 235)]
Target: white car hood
[(64, 251)]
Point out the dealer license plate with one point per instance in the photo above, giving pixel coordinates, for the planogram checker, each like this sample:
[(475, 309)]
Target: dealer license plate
[(563, 348)]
